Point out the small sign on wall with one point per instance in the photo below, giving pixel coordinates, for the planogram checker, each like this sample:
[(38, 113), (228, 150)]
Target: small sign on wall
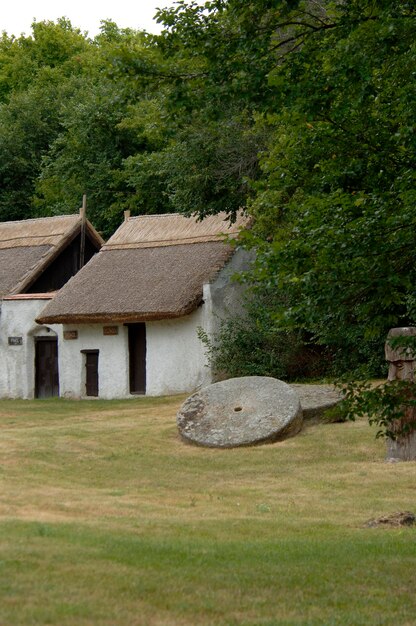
[(110, 330), (15, 341), (70, 334)]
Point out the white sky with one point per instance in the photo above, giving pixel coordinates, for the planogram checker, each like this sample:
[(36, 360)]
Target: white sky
[(16, 16)]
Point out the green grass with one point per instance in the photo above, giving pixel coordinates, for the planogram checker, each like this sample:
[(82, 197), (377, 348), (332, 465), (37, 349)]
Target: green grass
[(107, 518)]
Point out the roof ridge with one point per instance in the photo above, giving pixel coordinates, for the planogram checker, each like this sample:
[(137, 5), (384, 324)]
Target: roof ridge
[(159, 215), (156, 215), (36, 219), (158, 243), (33, 237)]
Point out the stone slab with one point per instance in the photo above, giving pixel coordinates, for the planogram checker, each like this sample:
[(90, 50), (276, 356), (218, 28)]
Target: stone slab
[(242, 411), (316, 399)]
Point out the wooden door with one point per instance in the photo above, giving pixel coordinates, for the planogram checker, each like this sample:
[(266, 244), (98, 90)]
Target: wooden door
[(91, 377), (137, 357), (46, 367)]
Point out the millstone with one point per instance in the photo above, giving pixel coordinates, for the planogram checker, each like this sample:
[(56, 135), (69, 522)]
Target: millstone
[(240, 412)]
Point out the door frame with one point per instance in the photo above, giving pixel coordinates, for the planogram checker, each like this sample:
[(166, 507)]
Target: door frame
[(137, 347), (86, 373), (55, 386)]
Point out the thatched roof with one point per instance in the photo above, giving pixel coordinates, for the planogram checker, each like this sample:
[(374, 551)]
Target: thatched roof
[(27, 247), (154, 267), (172, 229)]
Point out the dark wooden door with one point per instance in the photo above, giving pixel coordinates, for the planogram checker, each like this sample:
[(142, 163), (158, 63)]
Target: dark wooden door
[(46, 368), (91, 378), (137, 357)]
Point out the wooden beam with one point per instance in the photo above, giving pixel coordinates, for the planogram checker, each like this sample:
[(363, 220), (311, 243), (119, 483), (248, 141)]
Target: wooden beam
[(83, 214)]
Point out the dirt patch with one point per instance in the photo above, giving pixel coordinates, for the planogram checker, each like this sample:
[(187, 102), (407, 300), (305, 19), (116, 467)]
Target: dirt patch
[(402, 518)]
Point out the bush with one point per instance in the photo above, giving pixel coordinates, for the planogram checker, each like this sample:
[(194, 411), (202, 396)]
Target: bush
[(252, 345)]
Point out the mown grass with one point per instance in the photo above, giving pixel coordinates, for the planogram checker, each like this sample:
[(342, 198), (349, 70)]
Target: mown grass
[(107, 518)]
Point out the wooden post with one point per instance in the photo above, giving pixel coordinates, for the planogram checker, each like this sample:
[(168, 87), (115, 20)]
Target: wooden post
[(402, 366), (83, 214)]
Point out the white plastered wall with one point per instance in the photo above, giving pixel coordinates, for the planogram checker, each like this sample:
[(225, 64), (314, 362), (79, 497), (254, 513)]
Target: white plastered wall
[(17, 362), (113, 379), (175, 360)]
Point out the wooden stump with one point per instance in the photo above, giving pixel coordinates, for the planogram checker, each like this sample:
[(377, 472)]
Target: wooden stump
[(402, 367)]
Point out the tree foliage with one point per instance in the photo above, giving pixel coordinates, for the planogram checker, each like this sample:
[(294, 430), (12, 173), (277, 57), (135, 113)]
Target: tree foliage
[(63, 123), (390, 407), (337, 194)]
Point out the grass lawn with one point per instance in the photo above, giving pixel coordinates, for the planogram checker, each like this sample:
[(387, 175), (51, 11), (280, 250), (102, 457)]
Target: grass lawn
[(107, 518)]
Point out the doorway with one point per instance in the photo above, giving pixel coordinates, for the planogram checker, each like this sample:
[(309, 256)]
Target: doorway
[(91, 372), (137, 357), (46, 367)]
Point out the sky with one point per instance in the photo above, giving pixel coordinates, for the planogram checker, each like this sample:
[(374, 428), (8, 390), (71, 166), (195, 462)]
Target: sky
[(16, 16)]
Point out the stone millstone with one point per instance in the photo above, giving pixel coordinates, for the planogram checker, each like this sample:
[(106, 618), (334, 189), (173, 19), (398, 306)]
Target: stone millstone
[(240, 412)]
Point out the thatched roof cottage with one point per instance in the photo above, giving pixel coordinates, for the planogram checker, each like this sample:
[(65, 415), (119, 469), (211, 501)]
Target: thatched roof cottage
[(130, 317), (37, 257)]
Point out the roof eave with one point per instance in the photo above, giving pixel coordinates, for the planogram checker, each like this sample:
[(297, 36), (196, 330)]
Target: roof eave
[(119, 318)]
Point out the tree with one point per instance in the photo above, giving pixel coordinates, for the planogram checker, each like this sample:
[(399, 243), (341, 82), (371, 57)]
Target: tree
[(33, 75), (86, 155), (337, 194), (61, 122), (209, 68), (27, 123)]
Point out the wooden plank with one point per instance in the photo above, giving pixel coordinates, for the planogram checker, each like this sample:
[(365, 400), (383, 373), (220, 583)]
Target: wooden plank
[(83, 214), (110, 330)]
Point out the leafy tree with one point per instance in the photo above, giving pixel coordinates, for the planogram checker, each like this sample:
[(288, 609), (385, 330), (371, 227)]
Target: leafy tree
[(205, 168), (209, 67), (33, 88), (27, 123), (61, 123), (86, 155), (335, 207), (25, 60)]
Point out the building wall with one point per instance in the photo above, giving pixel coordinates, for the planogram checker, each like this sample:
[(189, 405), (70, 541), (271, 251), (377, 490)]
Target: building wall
[(175, 356), (17, 362), (112, 361), (176, 360), (223, 297)]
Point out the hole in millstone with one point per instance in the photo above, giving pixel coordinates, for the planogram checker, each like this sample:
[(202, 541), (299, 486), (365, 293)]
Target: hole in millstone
[(238, 408)]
